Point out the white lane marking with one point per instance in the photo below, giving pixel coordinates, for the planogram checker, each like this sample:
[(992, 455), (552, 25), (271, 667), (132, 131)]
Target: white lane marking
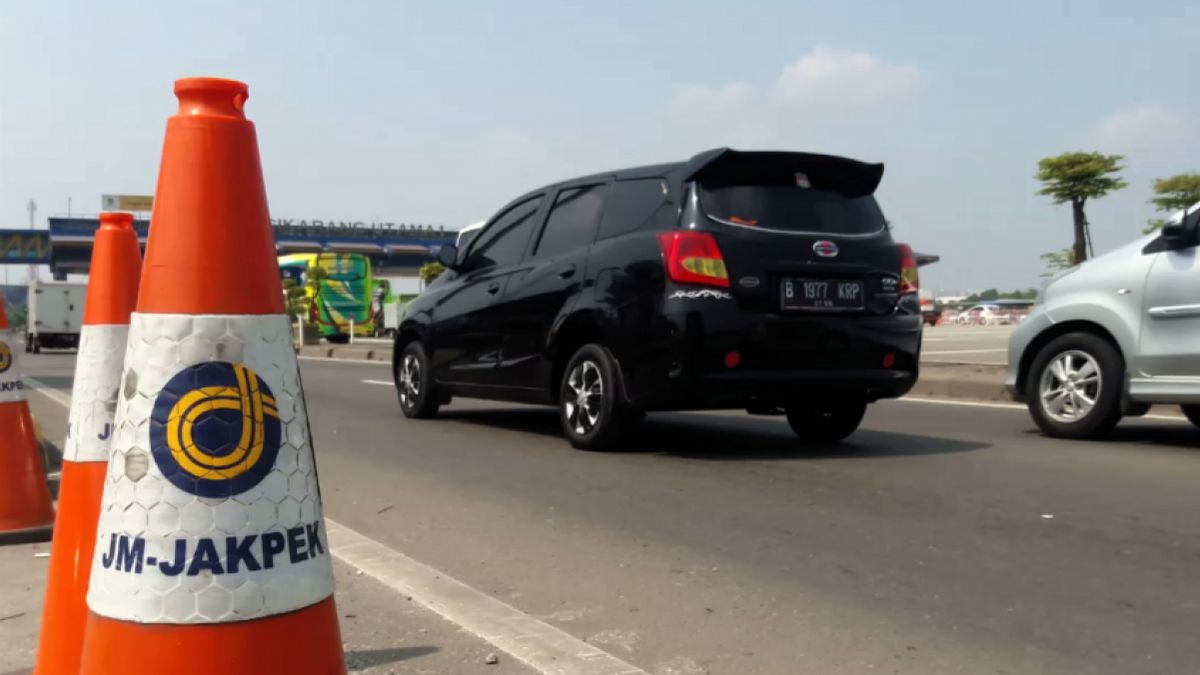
[(52, 394), (965, 339), (965, 360), (965, 351), (998, 331), (958, 402), (539, 645), (383, 382), (1013, 406), (535, 643), (335, 360)]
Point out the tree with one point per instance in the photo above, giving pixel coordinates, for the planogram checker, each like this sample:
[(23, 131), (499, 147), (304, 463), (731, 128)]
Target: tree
[(1075, 177), (296, 299), (313, 278), (430, 271), (994, 294), (1057, 261), (1177, 193), (299, 298), (1154, 225)]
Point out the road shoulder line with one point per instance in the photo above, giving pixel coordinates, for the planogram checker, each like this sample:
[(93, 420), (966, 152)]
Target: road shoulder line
[(49, 392), (536, 643), (1011, 406), (340, 360), (539, 645)]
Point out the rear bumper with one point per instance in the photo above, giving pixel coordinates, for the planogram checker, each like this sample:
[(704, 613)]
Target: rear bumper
[(779, 359), (56, 340), (778, 388)]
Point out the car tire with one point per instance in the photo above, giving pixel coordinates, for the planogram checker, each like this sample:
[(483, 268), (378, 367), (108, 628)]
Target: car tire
[(826, 421), (1087, 403), (591, 404), (415, 389), (1192, 412)]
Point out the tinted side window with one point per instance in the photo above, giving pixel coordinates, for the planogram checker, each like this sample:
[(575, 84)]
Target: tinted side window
[(631, 204), (572, 222), (503, 243)]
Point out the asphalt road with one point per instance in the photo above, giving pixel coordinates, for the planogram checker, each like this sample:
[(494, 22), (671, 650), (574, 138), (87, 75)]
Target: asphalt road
[(941, 539), (981, 345)]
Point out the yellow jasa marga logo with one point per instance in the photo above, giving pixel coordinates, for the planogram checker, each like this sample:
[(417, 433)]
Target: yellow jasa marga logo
[(215, 430), (6, 358)]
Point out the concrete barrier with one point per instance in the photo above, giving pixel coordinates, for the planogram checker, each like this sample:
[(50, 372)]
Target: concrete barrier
[(982, 383)]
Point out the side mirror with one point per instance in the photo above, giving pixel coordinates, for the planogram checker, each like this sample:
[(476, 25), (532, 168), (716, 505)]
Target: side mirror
[(447, 255), (1181, 234)]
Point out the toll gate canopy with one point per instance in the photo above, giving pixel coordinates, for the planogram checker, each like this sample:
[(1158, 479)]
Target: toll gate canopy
[(398, 249)]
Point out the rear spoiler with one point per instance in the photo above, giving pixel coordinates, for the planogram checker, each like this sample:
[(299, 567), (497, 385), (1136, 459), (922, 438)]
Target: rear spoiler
[(723, 166)]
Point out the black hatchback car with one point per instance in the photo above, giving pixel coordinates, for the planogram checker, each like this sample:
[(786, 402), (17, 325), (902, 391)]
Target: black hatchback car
[(764, 281)]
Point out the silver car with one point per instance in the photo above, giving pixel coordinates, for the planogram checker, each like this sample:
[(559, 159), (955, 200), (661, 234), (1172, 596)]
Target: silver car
[(1113, 336)]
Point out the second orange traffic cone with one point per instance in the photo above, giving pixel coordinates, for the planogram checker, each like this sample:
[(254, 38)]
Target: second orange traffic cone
[(211, 553), (111, 295), (25, 508)]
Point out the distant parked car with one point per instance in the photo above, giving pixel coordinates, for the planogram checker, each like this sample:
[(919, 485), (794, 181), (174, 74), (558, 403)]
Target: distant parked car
[(1114, 335), (979, 315), (763, 281)]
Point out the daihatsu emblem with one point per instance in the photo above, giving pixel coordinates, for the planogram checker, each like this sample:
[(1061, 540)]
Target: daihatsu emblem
[(825, 249)]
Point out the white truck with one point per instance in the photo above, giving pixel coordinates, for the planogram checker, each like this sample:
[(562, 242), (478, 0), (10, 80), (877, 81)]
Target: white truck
[(55, 315), (403, 288)]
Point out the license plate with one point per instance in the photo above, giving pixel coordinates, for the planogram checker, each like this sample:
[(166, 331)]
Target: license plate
[(828, 294)]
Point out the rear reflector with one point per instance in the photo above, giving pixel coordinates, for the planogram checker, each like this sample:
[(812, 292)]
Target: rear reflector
[(889, 360), (732, 359), (693, 258)]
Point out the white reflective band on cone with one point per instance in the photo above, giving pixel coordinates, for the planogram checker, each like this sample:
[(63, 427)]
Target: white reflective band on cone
[(94, 396), (211, 511), (12, 388)]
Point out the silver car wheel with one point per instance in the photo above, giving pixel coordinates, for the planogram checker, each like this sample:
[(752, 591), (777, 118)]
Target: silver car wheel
[(586, 385), (410, 380), (1070, 386)]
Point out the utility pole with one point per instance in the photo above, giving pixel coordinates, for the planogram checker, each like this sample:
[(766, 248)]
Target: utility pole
[(32, 208)]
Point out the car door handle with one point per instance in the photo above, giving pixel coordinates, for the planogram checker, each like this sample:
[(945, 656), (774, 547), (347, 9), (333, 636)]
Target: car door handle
[(493, 288), (566, 272)]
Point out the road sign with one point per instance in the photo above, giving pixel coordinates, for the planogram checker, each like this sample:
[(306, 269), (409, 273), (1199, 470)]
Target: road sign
[(126, 202)]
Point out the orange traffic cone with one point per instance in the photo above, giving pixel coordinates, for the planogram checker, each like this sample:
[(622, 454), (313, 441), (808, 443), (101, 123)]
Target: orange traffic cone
[(111, 295), (211, 554), (25, 509)]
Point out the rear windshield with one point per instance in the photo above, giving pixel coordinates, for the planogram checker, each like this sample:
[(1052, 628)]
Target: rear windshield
[(793, 208), (343, 267)]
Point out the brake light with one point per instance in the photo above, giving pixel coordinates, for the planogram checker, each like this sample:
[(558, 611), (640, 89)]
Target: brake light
[(693, 258), (910, 281)]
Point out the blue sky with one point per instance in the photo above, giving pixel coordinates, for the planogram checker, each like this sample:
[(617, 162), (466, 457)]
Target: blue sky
[(440, 112)]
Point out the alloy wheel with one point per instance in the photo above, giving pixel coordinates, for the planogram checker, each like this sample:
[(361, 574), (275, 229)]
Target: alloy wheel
[(1070, 386), (586, 385), (410, 380)]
